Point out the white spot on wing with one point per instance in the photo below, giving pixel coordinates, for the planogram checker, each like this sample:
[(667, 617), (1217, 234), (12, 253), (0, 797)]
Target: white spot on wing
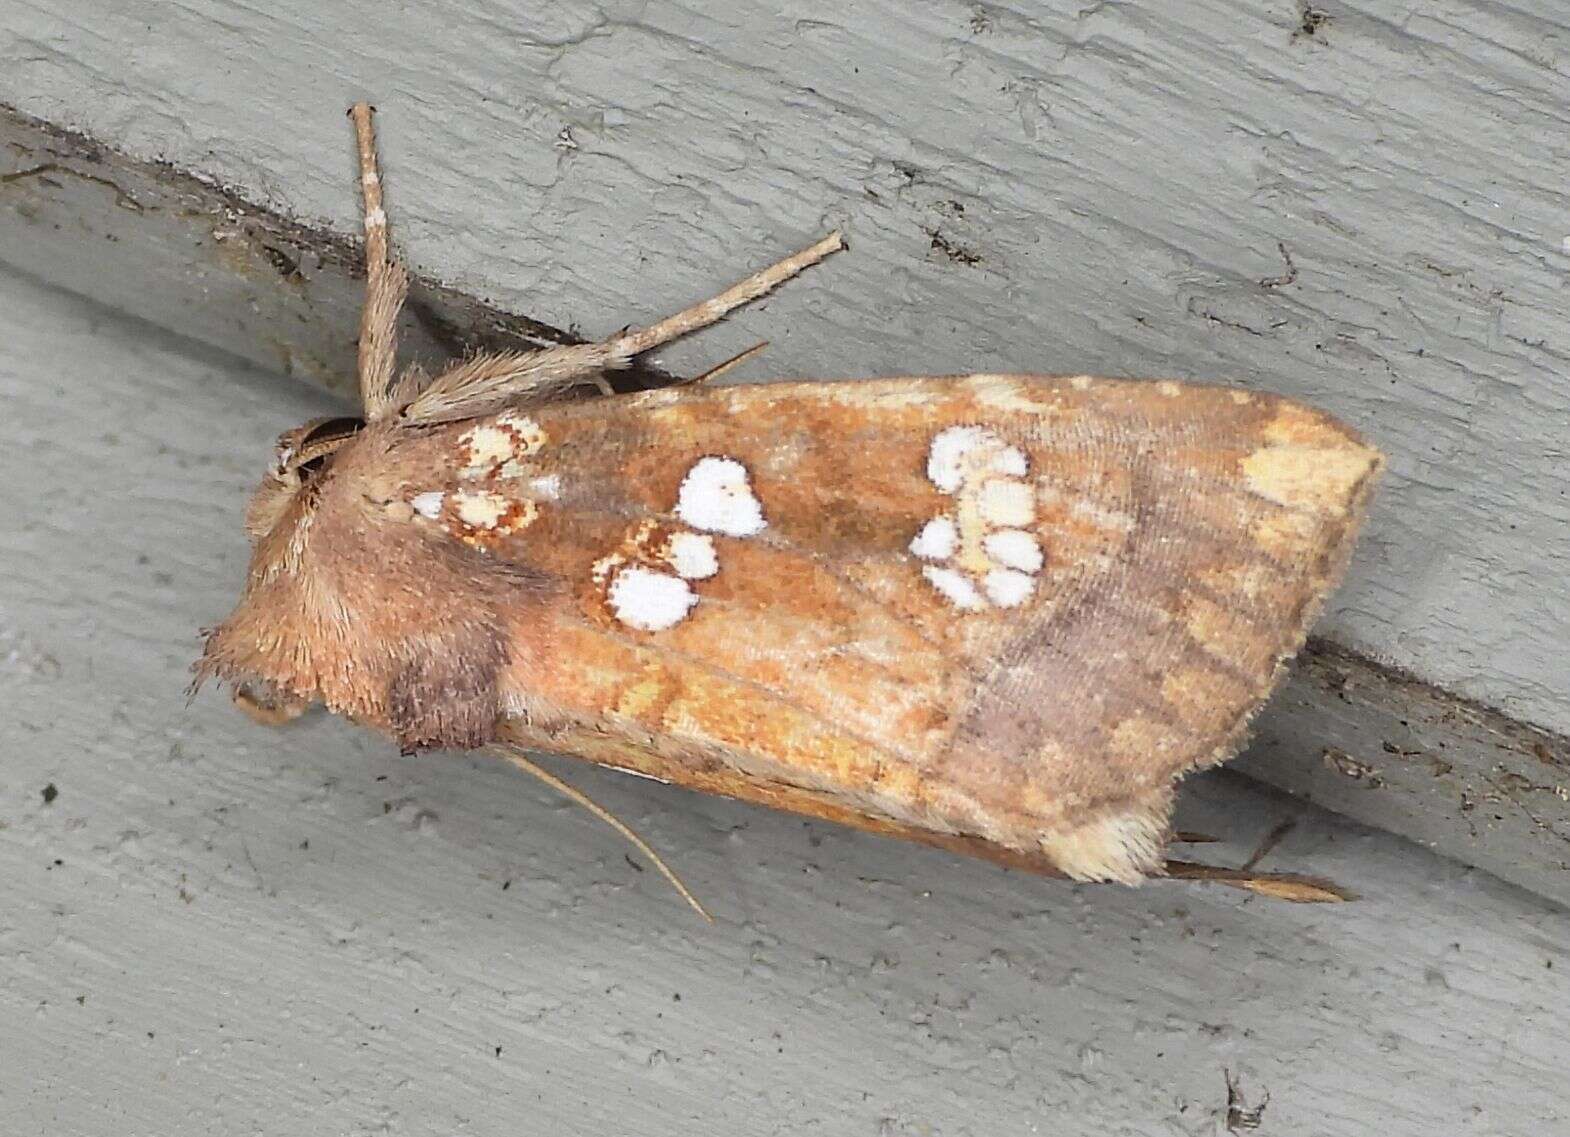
[(481, 510), (1015, 549), (937, 540), (487, 448), (649, 601), (1008, 503), (715, 496), (1011, 460), (548, 487), (529, 436), (955, 586), (991, 556), (1007, 588), (428, 504), (692, 556), (946, 459)]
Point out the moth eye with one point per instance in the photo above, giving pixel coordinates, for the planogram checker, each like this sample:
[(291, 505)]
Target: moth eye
[(303, 452)]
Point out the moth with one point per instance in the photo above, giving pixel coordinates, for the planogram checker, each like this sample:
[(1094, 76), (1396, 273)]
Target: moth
[(1002, 614)]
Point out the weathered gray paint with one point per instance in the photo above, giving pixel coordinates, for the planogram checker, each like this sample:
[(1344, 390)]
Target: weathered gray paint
[(1121, 175), (218, 928)]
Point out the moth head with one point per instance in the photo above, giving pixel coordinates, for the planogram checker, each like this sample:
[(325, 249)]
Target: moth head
[(301, 460), (253, 644)]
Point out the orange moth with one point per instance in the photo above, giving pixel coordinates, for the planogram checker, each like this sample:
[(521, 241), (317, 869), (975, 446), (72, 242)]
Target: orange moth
[(1002, 614)]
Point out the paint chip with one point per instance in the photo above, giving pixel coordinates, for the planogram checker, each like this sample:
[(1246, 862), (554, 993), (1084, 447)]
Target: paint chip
[(715, 496), (428, 504), (649, 601)]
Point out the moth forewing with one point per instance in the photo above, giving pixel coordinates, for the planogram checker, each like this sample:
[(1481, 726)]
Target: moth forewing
[(994, 612)]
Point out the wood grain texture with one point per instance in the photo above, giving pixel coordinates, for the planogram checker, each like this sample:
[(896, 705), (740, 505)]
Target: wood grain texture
[(212, 926)]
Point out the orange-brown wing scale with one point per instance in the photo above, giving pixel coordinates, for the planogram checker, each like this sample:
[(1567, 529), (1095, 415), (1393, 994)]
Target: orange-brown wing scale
[(1013, 608)]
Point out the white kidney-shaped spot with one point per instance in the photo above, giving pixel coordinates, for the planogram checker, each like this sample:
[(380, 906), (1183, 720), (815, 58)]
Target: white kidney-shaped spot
[(1015, 549), (937, 540), (955, 586), (692, 556), (1007, 588), (649, 601), (992, 556), (428, 504), (715, 496)]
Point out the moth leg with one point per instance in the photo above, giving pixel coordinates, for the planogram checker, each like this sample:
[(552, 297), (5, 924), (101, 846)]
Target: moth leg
[(573, 793), (487, 383), (267, 706), (721, 368), (386, 281)]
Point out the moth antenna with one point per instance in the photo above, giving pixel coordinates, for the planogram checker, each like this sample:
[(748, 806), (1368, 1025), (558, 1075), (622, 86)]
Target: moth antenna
[(721, 368), (487, 383), (605, 815), (636, 342), (1278, 886), (386, 281)]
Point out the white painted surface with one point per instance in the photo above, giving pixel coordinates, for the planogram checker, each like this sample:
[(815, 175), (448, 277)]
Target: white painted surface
[(219, 928), (1060, 186)]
